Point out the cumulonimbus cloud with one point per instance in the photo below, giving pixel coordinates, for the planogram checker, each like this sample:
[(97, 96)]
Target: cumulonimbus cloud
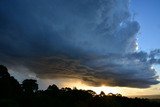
[(92, 40)]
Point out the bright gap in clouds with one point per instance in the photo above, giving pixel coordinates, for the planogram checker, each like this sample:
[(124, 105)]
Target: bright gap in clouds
[(72, 83), (79, 84), (125, 91)]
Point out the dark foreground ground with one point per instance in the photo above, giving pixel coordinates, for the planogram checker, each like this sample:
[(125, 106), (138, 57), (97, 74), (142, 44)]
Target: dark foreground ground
[(14, 94), (74, 98), (67, 97)]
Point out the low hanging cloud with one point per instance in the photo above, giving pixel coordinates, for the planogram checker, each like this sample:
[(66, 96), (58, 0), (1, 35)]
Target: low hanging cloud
[(91, 40)]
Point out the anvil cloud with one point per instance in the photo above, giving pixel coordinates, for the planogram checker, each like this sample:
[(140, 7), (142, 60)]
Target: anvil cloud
[(91, 40)]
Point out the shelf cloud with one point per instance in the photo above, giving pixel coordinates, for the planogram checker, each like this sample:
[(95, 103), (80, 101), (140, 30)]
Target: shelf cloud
[(91, 40)]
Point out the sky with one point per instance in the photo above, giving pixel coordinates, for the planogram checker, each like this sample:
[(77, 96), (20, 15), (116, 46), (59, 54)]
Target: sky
[(108, 45), (147, 14)]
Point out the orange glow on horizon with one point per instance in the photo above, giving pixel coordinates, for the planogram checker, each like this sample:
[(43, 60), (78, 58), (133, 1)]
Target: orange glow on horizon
[(80, 85), (125, 91)]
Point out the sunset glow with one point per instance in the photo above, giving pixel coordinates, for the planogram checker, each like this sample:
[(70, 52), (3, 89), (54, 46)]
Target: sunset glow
[(101, 45), (72, 83)]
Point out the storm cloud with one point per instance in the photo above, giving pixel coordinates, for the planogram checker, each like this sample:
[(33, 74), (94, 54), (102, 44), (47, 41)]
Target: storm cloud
[(91, 40)]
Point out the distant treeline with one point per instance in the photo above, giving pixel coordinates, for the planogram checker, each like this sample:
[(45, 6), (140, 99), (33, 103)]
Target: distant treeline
[(14, 94)]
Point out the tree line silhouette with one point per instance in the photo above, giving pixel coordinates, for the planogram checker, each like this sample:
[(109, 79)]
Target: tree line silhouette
[(14, 94)]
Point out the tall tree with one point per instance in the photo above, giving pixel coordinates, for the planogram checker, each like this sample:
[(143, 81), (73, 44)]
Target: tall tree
[(4, 71), (9, 86), (30, 86)]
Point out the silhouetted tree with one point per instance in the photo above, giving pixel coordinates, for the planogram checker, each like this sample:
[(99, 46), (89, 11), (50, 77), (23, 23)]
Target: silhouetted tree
[(10, 91), (66, 89), (118, 95), (111, 94), (53, 87), (9, 86), (52, 90), (29, 86), (91, 92), (4, 71), (102, 94)]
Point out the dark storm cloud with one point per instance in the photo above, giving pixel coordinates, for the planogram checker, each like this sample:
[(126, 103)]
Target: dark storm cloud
[(92, 40)]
